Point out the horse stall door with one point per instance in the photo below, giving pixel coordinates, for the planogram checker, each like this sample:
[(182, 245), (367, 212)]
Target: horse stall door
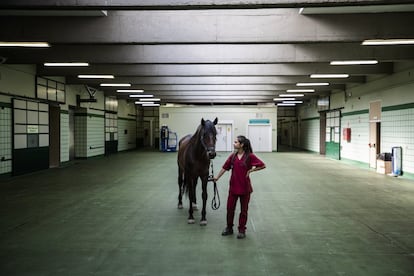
[(224, 135), (260, 137)]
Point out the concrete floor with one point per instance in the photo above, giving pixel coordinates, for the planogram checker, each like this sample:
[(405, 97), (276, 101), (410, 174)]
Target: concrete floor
[(117, 216)]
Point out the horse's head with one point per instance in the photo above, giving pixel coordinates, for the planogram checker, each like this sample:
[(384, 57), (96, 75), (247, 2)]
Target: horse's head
[(208, 137)]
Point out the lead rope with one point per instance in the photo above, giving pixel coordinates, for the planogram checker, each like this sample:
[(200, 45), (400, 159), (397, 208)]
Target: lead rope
[(215, 203)]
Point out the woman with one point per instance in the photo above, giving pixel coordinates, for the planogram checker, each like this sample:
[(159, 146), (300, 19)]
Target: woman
[(242, 162)]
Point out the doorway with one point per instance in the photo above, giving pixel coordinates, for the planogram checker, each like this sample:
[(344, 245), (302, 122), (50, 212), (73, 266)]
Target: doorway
[(224, 137), (71, 133), (332, 134), (54, 136), (260, 137), (148, 133), (322, 133), (374, 132)]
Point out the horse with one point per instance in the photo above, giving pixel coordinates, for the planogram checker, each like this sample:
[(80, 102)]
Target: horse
[(193, 159)]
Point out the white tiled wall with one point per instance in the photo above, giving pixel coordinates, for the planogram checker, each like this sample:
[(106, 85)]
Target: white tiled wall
[(5, 140), (95, 135), (64, 136), (309, 135), (357, 149), (80, 136), (89, 135), (126, 141), (397, 130)]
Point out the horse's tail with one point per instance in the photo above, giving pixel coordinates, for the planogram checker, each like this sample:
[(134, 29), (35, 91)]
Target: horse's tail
[(186, 187), (189, 188), (182, 163)]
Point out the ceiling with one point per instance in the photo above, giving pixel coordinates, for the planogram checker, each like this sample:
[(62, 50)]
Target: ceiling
[(206, 51)]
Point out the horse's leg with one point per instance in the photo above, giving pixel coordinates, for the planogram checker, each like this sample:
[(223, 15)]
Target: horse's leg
[(195, 207), (203, 220), (190, 197), (180, 189)]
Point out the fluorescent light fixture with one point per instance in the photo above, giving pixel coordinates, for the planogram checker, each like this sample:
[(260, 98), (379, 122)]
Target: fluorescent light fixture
[(130, 90), (370, 42), (291, 95), (65, 64), (286, 104), (139, 102), (95, 76), (292, 102), (150, 104), (150, 99), (141, 96), (24, 44), (333, 76), (283, 99), (115, 84), (300, 90), (312, 83), (353, 62)]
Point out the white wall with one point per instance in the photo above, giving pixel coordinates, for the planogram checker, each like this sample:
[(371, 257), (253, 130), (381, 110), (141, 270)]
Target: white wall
[(64, 137), (20, 80), (127, 125), (185, 119), (127, 134), (126, 109), (397, 116), (15, 80)]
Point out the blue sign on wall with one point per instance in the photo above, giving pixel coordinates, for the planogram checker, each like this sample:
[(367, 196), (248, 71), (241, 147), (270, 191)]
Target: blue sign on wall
[(259, 121)]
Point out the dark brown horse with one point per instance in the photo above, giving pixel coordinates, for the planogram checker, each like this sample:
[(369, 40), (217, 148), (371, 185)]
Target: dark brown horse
[(194, 154)]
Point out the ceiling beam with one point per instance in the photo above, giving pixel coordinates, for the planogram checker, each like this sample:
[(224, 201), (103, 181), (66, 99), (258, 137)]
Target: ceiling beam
[(208, 53), (212, 80), (212, 26), (221, 87), (241, 69), (182, 4)]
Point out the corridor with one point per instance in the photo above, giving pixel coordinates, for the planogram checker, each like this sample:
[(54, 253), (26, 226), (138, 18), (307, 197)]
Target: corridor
[(117, 215)]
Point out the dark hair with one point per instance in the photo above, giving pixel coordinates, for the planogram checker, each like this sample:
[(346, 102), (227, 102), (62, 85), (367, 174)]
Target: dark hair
[(247, 147)]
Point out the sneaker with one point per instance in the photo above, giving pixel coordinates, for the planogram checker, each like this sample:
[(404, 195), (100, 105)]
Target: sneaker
[(241, 235), (227, 231)]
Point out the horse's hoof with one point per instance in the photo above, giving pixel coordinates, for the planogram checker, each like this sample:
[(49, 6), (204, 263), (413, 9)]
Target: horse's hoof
[(191, 221), (203, 222), (180, 206)]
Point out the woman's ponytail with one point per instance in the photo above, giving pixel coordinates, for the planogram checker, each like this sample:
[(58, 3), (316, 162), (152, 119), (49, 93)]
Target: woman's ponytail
[(247, 147)]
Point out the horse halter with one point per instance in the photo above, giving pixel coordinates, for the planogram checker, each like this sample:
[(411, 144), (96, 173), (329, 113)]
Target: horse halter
[(211, 151)]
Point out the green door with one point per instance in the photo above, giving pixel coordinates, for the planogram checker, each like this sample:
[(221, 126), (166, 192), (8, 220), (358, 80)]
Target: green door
[(333, 130)]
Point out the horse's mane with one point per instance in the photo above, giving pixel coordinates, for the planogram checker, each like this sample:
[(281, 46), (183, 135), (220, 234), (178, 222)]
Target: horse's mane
[(195, 138), (208, 125)]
